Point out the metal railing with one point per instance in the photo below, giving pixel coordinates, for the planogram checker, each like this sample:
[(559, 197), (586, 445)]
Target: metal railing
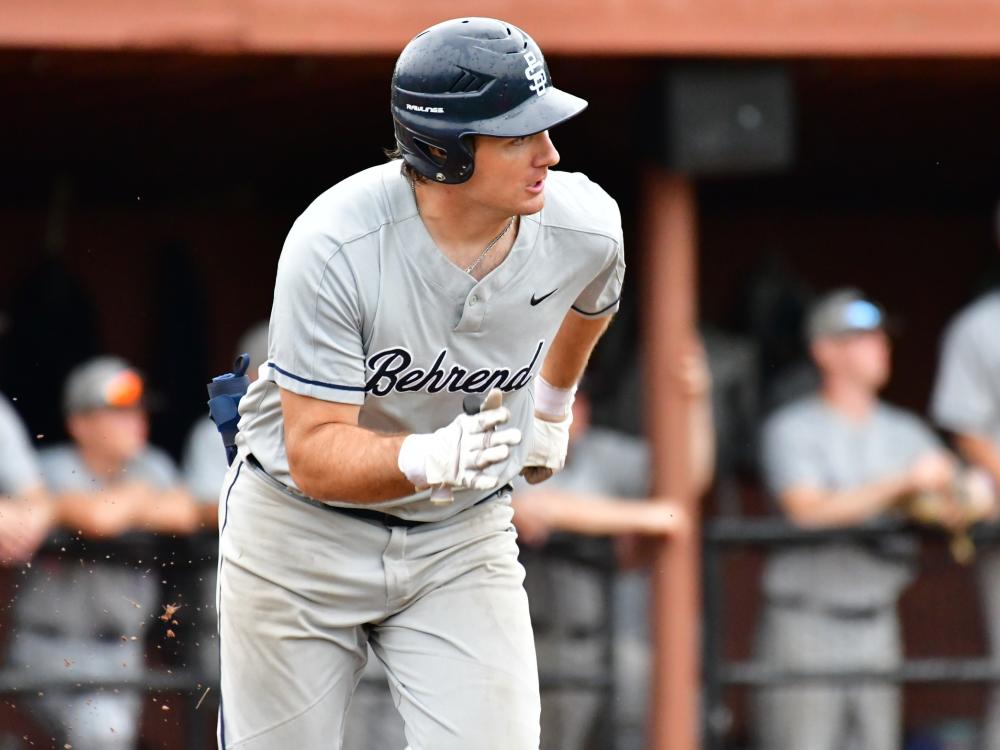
[(724, 535), (192, 694)]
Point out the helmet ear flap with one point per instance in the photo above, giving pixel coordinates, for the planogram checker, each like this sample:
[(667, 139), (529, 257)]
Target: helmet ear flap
[(434, 161)]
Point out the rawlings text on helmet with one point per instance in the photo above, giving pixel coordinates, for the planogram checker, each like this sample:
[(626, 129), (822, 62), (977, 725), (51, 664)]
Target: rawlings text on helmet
[(421, 108)]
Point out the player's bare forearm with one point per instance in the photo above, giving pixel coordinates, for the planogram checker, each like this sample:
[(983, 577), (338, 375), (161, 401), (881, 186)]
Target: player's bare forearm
[(171, 511), (128, 506), (332, 458), (702, 453), (567, 357), (97, 514), (697, 385), (596, 515), (208, 515), (980, 451), (24, 523), (813, 508)]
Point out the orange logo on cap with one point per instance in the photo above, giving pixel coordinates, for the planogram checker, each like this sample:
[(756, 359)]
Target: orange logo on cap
[(124, 390)]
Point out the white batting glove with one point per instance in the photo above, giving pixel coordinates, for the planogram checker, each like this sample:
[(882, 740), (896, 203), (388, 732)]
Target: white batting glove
[(456, 455), (548, 452), (553, 416)]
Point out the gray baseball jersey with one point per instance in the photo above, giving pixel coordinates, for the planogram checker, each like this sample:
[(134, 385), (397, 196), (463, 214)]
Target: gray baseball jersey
[(809, 444), (368, 311), (18, 466), (967, 392), (967, 400), (64, 599), (204, 465)]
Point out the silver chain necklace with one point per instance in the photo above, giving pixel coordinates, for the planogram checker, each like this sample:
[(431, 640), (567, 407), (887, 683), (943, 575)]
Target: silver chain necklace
[(486, 249), (490, 244)]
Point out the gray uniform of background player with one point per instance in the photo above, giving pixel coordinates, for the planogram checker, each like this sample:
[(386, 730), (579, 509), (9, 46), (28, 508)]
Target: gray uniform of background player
[(69, 618), (967, 400), (368, 311), (834, 606), (18, 464), (570, 607), (19, 470)]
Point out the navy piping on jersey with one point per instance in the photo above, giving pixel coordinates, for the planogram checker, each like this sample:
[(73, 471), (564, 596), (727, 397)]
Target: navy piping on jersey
[(603, 309), (316, 382), (222, 718)]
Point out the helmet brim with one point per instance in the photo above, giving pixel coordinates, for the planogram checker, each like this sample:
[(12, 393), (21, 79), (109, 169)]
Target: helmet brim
[(532, 116)]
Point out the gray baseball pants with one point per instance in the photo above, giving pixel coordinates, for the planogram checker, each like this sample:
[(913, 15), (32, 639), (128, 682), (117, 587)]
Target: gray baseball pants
[(828, 717), (304, 589)]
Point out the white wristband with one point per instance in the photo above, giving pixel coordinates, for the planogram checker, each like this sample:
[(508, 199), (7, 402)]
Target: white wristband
[(412, 460), (552, 401)]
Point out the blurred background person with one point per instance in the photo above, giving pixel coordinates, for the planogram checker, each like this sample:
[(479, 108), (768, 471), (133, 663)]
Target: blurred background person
[(26, 510), (841, 458), (966, 403), (203, 468), (80, 620), (603, 491)]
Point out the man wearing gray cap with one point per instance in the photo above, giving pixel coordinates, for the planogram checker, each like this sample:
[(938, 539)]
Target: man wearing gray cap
[(81, 620), (841, 458)]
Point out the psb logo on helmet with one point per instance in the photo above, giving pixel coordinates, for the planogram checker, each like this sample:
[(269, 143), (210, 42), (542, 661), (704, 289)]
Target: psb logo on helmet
[(535, 72), (421, 108)]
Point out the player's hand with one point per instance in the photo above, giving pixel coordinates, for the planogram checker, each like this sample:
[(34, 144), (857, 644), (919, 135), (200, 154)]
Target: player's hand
[(982, 499), (933, 472), (548, 450), (693, 373), (457, 455), (23, 527)]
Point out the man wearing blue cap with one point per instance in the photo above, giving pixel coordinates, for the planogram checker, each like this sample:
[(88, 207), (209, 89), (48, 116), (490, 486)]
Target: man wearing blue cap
[(841, 458)]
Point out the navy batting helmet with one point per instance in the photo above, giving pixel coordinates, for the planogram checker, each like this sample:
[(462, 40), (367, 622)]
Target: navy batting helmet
[(465, 77)]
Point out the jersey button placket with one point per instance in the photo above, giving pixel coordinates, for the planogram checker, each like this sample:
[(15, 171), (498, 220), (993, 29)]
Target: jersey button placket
[(473, 312)]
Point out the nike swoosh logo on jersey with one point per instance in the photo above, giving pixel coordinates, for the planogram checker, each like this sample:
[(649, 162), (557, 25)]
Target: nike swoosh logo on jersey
[(535, 301)]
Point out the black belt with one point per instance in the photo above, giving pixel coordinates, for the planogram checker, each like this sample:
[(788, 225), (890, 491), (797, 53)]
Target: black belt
[(830, 610), (368, 514)]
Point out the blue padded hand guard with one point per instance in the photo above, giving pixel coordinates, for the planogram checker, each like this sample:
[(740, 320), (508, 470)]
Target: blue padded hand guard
[(224, 394)]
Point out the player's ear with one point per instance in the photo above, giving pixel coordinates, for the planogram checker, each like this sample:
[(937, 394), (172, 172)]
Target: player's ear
[(76, 426), (822, 350)]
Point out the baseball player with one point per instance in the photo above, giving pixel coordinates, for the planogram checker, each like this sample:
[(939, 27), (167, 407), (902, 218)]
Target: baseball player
[(600, 492), (26, 510), (364, 506), (841, 457), (84, 623), (966, 402)]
